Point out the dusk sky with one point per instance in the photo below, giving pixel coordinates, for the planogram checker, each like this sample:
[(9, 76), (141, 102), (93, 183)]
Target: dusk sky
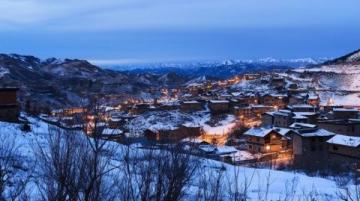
[(126, 31)]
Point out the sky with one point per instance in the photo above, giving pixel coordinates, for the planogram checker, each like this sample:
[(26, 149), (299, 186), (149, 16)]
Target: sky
[(131, 31)]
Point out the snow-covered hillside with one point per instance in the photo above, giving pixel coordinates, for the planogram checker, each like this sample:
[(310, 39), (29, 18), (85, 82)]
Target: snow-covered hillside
[(258, 183)]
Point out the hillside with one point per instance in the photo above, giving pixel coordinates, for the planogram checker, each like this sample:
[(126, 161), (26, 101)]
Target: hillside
[(351, 58), (71, 82), (255, 183)]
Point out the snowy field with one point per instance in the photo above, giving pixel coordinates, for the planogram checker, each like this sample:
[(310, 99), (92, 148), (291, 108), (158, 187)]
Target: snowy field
[(259, 183)]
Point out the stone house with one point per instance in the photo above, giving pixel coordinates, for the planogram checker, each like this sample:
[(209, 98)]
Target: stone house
[(9, 107), (267, 140)]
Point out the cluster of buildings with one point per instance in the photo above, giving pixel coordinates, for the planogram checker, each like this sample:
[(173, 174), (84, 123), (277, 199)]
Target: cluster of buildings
[(274, 118)]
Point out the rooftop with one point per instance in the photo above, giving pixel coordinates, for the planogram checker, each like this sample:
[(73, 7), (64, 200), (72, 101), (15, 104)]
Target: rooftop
[(349, 141)]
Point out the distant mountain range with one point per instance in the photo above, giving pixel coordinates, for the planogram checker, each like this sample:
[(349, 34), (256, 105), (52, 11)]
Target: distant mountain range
[(59, 83), (217, 70)]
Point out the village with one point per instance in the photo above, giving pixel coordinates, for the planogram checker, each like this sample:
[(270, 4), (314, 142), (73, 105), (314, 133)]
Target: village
[(261, 119)]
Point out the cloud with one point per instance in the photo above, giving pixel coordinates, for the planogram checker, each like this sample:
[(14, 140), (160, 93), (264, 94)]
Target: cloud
[(171, 14)]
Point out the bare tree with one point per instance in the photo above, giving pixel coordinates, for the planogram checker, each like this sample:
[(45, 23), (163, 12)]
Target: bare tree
[(157, 175), (238, 186), (348, 188), (210, 185), (74, 167), (12, 187)]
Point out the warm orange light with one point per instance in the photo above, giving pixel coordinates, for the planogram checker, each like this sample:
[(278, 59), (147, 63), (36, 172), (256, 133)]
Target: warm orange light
[(267, 147)]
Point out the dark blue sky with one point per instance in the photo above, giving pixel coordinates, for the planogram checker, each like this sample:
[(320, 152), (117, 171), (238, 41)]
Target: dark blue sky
[(179, 30)]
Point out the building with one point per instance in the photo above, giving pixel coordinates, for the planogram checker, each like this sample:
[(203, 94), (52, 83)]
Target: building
[(276, 100), (345, 113), (267, 140), (305, 117), (173, 134), (344, 151), (313, 100), (282, 118), (278, 82), (347, 127), (9, 107), (302, 108), (219, 106), (309, 146), (190, 106)]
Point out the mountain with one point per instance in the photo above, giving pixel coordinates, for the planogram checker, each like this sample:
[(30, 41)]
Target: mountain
[(217, 70), (56, 83), (351, 58)]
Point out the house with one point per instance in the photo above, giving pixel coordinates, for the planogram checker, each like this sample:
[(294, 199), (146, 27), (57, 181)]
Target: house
[(313, 100), (309, 146), (302, 108), (165, 135), (282, 118), (260, 109), (267, 119), (305, 117), (276, 100), (345, 113), (173, 134), (219, 106), (9, 107), (344, 151), (190, 106), (296, 99), (191, 129), (278, 82), (267, 140), (347, 127), (244, 111)]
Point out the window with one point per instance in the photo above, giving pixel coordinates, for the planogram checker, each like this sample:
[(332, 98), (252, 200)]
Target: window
[(335, 147)]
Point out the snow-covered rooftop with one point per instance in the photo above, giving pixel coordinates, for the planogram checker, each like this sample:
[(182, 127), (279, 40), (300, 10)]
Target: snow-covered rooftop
[(318, 133), (302, 125), (258, 132), (219, 101), (110, 131), (345, 110), (349, 141)]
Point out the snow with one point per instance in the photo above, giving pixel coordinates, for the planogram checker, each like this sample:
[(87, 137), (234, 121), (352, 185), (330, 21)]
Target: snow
[(256, 179), (303, 125), (223, 150), (3, 71), (190, 102), (110, 131), (258, 132), (219, 101), (349, 141), (340, 69), (240, 155), (352, 99), (345, 110), (318, 133), (223, 127), (207, 148)]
